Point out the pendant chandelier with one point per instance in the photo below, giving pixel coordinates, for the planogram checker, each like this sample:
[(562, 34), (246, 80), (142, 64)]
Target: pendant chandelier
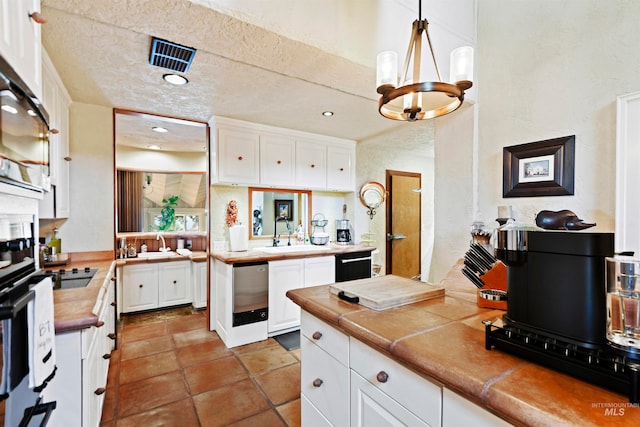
[(415, 99)]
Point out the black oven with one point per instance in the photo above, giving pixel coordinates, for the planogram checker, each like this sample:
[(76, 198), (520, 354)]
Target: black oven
[(19, 277), (353, 266), (24, 134)]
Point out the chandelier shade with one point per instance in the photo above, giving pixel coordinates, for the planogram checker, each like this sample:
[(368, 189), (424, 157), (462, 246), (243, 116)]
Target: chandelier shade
[(416, 99)]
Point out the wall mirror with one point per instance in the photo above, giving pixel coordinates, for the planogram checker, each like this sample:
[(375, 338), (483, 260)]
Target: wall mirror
[(372, 195), (266, 204), (161, 179)]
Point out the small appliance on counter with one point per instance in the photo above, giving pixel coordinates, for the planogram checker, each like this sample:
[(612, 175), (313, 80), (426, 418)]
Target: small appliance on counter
[(343, 232), (557, 305), (318, 235), (623, 304)]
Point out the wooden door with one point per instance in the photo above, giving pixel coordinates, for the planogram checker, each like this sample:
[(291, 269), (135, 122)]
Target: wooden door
[(403, 224)]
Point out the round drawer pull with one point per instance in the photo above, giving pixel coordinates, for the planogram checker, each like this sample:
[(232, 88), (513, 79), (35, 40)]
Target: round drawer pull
[(54, 131), (313, 166), (106, 356), (68, 159), (317, 382), (113, 304), (99, 324), (279, 162), (111, 336), (100, 391), (140, 285), (175, 281), (113, 279), (382, 377), (239, 157), (341, 169), (317, 335)]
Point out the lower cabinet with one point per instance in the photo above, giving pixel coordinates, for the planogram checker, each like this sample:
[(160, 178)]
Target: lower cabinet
[(199, 279), (82, 358), (153, 285), (284, 275), (345, 382)]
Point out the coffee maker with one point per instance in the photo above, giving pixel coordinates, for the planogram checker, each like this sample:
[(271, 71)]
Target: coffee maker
[(343, 232)]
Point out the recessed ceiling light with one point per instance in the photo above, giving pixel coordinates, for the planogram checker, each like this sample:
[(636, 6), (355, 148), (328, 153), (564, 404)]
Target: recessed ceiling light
[(327, 113), (159, 129), (175, 79), (154, 147)]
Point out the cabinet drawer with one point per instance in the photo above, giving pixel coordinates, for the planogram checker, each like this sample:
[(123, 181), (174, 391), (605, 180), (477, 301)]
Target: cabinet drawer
[(325, 382), (416, 393), (326, 337), (311, 417)]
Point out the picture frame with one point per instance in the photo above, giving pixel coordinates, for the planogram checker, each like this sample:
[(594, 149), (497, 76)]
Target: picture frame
[(541, 168), (284, 208)]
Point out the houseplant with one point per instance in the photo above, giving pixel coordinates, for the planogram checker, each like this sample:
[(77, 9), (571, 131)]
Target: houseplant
[(168, 213)]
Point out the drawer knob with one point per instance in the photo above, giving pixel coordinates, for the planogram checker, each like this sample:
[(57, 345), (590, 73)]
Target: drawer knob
[(313, 166), (100, 391), (341, 169), (175, 281), (140, 285), (382, 377), (279, 162), (38, 18), (113, 278), (106, 356), (239, 157), (99, 324), (111, 336), (317, 335), (317, 382), (113, 304)]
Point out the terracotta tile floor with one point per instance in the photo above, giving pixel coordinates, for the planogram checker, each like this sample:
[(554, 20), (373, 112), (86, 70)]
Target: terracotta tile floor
[(169, 370)]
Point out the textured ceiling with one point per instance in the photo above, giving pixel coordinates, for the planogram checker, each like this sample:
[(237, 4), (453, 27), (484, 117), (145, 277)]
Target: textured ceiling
[(253, 64)]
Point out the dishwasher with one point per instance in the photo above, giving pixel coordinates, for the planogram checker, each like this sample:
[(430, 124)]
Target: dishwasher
[(250, 293), (353, 266)]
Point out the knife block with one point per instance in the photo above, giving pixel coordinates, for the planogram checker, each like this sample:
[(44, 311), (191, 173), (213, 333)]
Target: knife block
[(496, 278)]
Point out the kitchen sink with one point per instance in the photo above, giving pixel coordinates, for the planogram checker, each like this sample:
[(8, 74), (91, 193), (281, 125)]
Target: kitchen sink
[(156, 254), (290, 249)]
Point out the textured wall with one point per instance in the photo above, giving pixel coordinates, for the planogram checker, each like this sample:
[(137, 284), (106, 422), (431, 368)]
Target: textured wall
[(549, 69)]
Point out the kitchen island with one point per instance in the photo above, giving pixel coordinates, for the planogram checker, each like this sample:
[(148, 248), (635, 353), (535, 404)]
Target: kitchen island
[(442, 342)]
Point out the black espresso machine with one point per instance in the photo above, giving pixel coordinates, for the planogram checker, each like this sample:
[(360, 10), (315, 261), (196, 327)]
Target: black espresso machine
[(557, 306)]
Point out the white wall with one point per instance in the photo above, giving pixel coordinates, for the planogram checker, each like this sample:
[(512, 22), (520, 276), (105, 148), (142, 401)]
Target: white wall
[(166, 161), (410, 148), (90, 226), (549, 69)]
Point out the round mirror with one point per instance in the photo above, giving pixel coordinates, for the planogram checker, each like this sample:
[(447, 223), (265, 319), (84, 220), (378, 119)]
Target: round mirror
[(372, 195)]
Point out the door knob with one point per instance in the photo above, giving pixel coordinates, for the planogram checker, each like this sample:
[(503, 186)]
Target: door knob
[(392, 236)]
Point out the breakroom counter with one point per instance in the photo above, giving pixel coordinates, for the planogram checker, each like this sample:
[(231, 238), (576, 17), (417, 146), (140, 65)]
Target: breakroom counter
[(443, 339)]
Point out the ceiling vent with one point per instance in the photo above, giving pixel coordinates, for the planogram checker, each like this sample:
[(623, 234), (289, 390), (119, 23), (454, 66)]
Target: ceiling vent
[(171, 56)]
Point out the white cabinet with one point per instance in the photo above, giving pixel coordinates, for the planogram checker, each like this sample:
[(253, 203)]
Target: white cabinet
[(238, 161), (277, 156), (82, 358), (199, 279), (458, 411), (246, 153), (56, 101), (139, 285), (311, 164), (20, 41), (283, 276), (291, 274), (383, 389), (341, 168), (174, 286), (324, 377)]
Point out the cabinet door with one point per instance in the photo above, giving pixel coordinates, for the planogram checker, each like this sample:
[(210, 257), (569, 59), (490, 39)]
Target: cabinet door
[(341, 168), (174, 286), (319, 271), (457, 411), (284, 275), (325, 383), (199, 279), (238, 156), (371, 407), (139, 287), (311, 164), (277, 154)]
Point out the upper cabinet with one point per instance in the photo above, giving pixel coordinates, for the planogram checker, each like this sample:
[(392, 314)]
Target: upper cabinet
[(245, 153), (56, 101), (20, 22)]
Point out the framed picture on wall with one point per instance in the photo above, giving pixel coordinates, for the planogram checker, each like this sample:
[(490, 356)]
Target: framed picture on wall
[(284, 208), (541, 168)]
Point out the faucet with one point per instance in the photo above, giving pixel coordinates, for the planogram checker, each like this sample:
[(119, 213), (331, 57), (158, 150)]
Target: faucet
[(164, 247), (276, 238)]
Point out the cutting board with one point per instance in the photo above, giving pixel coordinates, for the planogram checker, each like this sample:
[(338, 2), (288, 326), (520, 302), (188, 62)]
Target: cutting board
[(380, 293)]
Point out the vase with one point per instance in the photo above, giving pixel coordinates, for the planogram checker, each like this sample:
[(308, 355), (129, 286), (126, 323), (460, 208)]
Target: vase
[(238, 238)]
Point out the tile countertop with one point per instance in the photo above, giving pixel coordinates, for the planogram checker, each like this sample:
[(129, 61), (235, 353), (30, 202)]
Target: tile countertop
[(73, 307), (443, 339), (253, 255)]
